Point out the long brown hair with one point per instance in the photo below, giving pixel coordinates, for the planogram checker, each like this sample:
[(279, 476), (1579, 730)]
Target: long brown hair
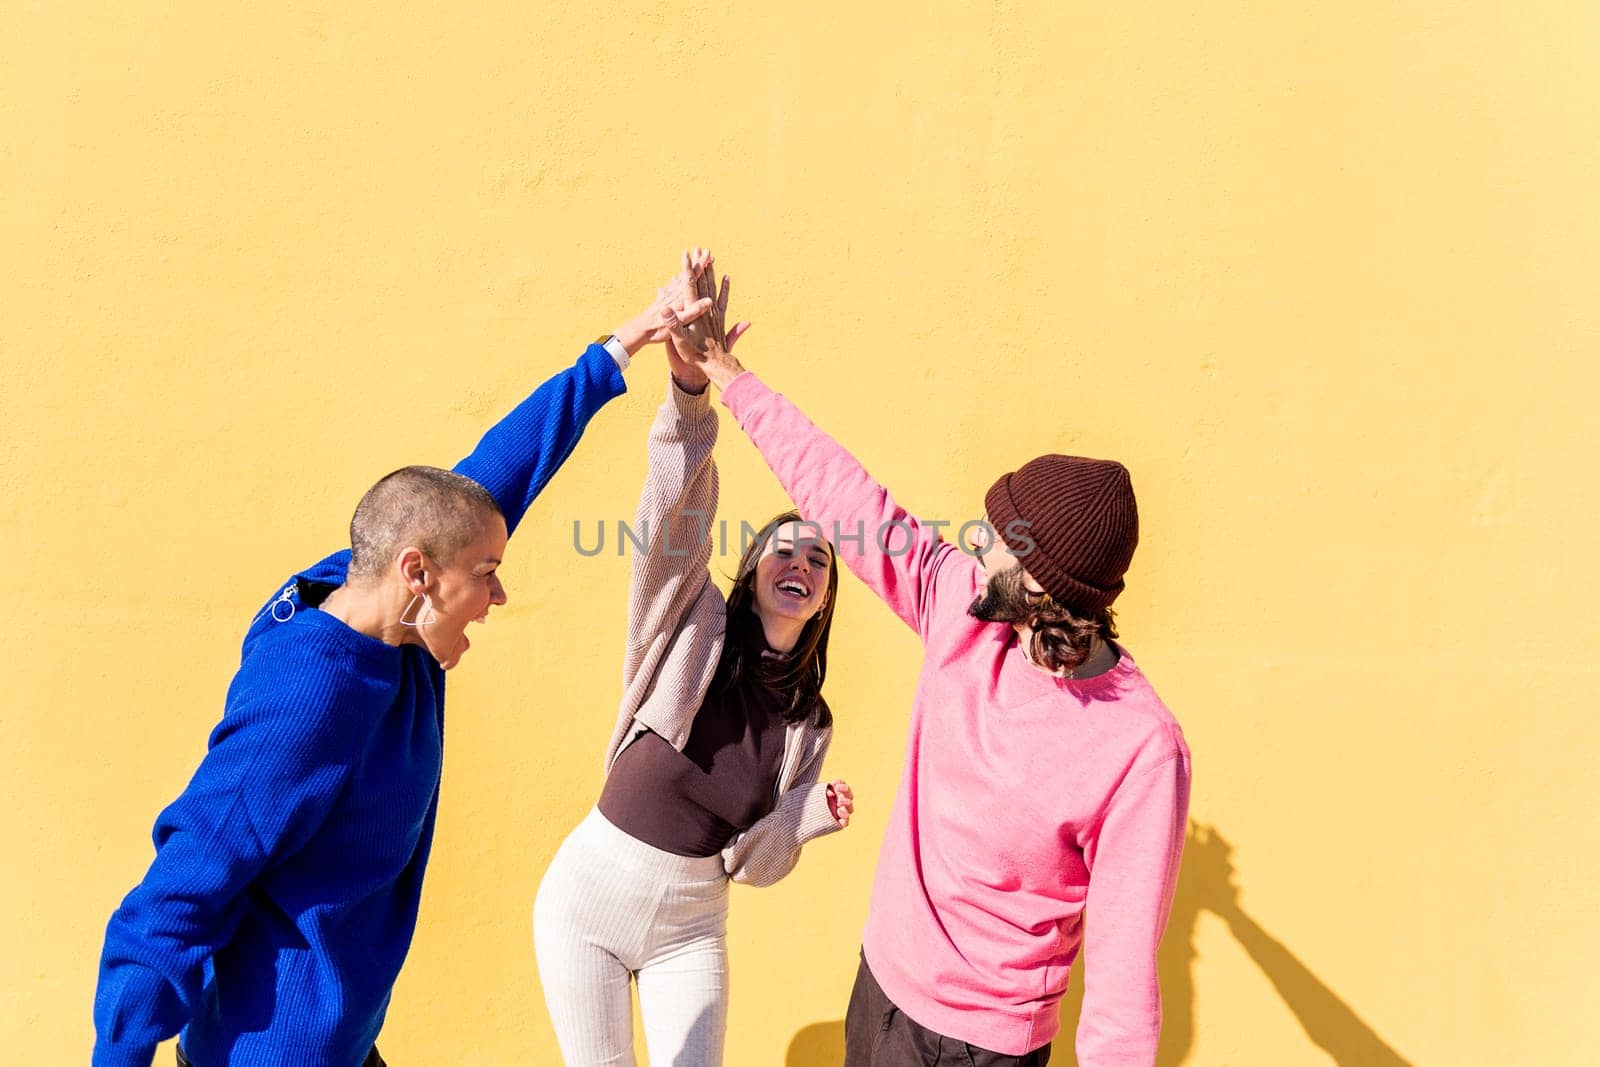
[(1062, 639), (802, 671)]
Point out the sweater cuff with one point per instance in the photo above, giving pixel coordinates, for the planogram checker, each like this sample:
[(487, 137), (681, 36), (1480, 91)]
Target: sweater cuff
[(605, 370), (743, 391), (689, 403), (816, 820), (687, 417)]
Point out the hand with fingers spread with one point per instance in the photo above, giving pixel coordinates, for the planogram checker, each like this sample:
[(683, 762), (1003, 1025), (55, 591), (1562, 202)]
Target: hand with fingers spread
[(678, 296), (706, 345), (713, 325), (841, 802), (696, 282)]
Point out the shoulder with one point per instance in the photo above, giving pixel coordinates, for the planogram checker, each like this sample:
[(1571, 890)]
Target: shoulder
[(331, 569), (1153, 728), (956, 571), (955, 578), (299, 680), (285, 600)]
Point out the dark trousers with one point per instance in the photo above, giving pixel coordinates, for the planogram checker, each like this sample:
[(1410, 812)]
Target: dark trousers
[(878, 1034), (372, 1060)]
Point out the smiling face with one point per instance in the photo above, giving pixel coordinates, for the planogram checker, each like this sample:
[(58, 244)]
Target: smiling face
[(782, 602), (461, 591), (792, 576)]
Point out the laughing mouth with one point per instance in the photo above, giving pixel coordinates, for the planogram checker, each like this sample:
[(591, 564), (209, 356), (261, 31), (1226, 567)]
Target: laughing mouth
[(793, 588)]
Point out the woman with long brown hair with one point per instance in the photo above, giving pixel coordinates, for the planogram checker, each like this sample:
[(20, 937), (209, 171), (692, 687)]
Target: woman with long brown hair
[(713, 771)]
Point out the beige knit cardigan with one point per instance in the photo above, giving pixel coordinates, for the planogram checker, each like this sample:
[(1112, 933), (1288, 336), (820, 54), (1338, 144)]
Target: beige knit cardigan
[(676, 622)]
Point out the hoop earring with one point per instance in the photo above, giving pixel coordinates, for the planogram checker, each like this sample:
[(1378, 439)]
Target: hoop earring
[(419, 621)]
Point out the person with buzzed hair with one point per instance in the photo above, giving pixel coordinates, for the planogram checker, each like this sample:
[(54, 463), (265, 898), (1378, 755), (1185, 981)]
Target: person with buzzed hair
[(280, 905), (440, 507)]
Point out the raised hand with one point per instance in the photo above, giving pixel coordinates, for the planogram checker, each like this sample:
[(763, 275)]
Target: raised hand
[(706, 346), (706, 289), (689, 376), (650, 326)]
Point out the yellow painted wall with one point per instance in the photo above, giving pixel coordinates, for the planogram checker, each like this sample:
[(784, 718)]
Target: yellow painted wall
[(1323, 276)]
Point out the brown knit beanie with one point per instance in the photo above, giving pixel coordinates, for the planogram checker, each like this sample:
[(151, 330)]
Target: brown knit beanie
[(1080, 517)]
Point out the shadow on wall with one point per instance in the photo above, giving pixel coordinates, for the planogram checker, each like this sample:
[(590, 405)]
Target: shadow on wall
[(1206, 883), (817, 1045)]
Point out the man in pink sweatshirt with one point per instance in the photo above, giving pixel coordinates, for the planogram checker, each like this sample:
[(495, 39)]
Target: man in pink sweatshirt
[(1046, 789)]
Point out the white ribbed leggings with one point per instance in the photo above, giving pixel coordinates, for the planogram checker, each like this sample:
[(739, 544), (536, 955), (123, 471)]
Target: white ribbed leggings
[(611, 908)]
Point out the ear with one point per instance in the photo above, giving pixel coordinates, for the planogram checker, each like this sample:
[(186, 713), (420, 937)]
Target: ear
[(1029, 581), (411, 565)]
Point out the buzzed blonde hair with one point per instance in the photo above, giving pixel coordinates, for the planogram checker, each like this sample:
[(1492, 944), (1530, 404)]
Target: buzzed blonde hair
[(436, 510)]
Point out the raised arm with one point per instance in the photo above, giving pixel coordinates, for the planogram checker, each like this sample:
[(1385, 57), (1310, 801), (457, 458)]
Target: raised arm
[(523, 451), (897, 555), (671, 544), (673, 606)]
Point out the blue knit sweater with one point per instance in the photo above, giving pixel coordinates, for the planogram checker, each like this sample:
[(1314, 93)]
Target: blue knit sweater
[(273, 922)]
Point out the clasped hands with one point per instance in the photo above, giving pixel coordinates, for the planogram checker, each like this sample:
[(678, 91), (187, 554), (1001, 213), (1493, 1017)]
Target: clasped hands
[(690, 315)]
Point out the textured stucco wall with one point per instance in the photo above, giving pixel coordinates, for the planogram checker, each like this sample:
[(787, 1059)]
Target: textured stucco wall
[(1322, 276)]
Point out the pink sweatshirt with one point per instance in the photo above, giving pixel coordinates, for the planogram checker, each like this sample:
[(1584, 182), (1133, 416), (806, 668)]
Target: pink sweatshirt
[(1031, 809)]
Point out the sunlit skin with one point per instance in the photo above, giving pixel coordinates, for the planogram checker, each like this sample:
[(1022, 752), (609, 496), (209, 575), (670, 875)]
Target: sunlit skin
[(460, 590), (791, 583), (650, 325)]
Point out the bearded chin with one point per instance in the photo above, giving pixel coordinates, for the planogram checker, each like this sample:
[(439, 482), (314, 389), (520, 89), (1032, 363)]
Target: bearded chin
[(987, 607), (1002, 600)]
